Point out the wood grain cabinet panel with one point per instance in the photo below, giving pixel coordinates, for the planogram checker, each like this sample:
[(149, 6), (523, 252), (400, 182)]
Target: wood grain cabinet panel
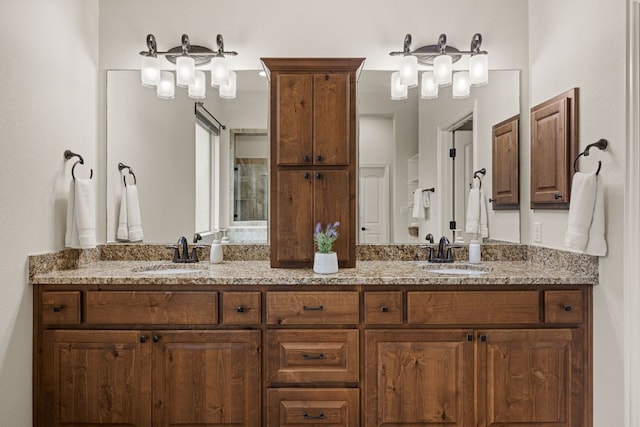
[(419, 378), (554, 146), (60, 307), (241, 308), (506, 170), (95, 378), (335, 407), (563, 306), (152, 308), (313, 308), (331, 118), (312, 356), (529, 377), (473, 307), (383, 307), (207, 378), (294, 118)]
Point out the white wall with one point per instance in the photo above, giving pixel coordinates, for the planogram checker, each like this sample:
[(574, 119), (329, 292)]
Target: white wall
[(49, 57), (564, 38)]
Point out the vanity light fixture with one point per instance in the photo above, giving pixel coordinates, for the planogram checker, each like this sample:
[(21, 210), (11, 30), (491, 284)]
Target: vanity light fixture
[(191, 62), (441, 58)]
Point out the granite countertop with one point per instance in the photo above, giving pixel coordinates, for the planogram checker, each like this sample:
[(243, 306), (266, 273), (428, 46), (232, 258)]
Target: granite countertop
[(365, 273)]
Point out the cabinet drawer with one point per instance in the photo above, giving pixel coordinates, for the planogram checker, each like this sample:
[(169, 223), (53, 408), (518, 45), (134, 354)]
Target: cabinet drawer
[(153, 308), (563, 306), (303, 308), (312, 356), (473, 307), (60, 307), (241, 308), (320, 406), (383, 307)]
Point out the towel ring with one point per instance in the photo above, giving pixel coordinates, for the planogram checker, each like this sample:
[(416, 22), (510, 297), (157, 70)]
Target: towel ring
[(600, 144), (68, 154), (124, 177)]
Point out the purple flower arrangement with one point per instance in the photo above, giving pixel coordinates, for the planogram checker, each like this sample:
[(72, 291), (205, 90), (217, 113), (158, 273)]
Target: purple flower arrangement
[(324, 238)]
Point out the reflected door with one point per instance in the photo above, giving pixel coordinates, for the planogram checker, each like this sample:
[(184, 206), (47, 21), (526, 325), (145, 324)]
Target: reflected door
[(374, 204)]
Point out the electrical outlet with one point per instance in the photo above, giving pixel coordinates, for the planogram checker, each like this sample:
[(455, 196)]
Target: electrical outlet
[(537, 232)]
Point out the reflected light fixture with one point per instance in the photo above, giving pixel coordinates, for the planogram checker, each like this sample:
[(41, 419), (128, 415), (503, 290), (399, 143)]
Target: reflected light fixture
[(228, 91), (441, 58), (191, 61), (398, 90)]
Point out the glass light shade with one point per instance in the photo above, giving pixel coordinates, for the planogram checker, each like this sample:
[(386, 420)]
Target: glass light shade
[(429, 87), (461, 87), (166, 88), (409, 71), (479, 69), (150, 71), (228, 91), (185, 71), (442, 70), (219, 71), (198, 89), (398, 90)]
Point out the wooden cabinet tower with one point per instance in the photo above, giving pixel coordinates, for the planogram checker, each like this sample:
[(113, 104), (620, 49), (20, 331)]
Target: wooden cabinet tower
[(313, 155)]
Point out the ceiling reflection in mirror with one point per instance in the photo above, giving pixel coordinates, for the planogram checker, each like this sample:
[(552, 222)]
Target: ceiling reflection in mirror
[(399, 151)]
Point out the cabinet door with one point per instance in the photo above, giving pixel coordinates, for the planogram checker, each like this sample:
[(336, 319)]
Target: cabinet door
[(334, 201), (419, 378), (207, 378), (530, 378), (331, 119), (95, 378), (292, 222), (293, 107), (506, 193)]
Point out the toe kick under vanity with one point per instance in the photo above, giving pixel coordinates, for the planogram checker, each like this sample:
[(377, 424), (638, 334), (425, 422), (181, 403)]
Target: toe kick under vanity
[(387, 343)]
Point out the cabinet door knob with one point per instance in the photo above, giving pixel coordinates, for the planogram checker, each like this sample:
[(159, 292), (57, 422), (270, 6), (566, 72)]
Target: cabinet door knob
[(240, 309), (319, 158), (143, 339), (567, 307), (557, 196), (318, 175), (469, 337), (156, 338), (483, 338), (57, 308), (306, 175), (306, 158), (384, 309)]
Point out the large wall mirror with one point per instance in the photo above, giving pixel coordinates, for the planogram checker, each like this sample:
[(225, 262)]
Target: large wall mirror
[(401, 146)]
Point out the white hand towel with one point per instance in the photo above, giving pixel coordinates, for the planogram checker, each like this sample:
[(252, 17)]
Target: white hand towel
[(426, 199), (123, 225), (583, 200), (81, 215), (473, 211), (418, 209), (484, 226), (134, 219), (585, 227)]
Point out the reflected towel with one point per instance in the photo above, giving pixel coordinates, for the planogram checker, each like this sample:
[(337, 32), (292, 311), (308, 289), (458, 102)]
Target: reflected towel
[(81, 215), (476, 219), (418, 204), (130, 220), (585, 225)]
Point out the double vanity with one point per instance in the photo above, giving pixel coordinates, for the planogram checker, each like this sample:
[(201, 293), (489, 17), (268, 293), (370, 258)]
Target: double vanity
[(123, 336)]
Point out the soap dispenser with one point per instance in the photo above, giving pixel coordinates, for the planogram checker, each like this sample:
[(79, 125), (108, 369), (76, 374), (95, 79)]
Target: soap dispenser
[(216, 252), (474, 252)]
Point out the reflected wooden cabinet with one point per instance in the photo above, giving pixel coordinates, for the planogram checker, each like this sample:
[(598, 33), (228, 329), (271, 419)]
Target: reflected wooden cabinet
[(505, 161), (313, 136)]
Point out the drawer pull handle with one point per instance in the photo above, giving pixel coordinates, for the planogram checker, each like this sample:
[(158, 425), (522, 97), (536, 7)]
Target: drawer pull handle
[(567, 307), (240, 309), (57, 308), (320, 416), (308, 357), (384, 309), (307, 308)]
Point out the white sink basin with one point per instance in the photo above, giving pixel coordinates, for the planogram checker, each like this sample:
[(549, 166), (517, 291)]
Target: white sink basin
[(458, 271)]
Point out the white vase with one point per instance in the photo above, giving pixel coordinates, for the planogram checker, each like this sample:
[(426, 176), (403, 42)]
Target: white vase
[(325, 263)]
